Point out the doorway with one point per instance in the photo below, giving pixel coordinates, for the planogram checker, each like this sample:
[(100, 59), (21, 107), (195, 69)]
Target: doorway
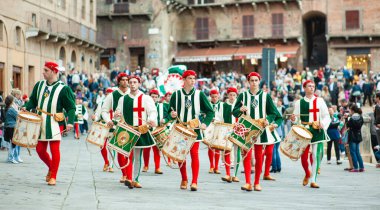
[(137, 58)]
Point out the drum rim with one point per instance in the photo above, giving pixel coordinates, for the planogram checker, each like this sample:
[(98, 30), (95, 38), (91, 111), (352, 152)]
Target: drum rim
[(101, 124), (158, 130), (20, 115), (249, 119), (129, 128), (303, 128), (172, 157), (239, 143), (192, 134), (223, 123)]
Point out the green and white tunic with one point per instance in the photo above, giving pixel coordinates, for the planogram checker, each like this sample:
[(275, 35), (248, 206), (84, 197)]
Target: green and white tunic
[(190, 105), (52, 98), (227, 112), (313, 109), (137, 110), (162, 112), (218, 111), (110, 104), (260, 106), (80, 110)]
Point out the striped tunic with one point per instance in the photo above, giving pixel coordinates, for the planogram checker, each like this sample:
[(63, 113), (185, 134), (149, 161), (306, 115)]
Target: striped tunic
[(190, 105), (53, 99), (218, 111), (260, 106)]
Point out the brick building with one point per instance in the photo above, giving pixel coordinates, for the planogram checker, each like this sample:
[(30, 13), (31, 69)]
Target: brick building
[(35, 31), (209, 35)]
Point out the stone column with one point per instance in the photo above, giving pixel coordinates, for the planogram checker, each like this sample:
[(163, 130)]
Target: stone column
[(365, 146)]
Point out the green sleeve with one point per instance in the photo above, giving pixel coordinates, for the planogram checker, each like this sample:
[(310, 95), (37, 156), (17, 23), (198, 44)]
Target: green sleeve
[(68, 103), (272, 113), (170, 106), (33, 100), (239, 101), (206, 108), (83, 110), (166, 110)]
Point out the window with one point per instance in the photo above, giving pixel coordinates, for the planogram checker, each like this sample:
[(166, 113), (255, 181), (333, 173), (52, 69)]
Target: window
[(34, 20), (91, 11), (83, 10), (1, 30), (75, 5), (277, 25), (136, 31), (49, 28), (248, 29), (18, 36), (202, 28), (352, 19), (198, 2), (109, 1)]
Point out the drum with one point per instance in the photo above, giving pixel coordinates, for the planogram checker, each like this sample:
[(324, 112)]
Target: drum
[(209, 134), (179, 143), (27, 130), (221, 131), (124, 139), (245, 132), (295, 142), (98, 134), (160, 135)]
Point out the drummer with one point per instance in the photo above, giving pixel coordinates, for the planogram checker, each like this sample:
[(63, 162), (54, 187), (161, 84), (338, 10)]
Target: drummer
[(228, 117), (258, 105), (96, 117), (187, 104), (108, 109), (51, 96), (214, 155), (162, 109), (313, 114), (137, 109)]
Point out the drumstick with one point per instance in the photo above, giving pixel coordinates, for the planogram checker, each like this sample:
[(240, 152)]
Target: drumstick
[(177, 115), (297, 114)]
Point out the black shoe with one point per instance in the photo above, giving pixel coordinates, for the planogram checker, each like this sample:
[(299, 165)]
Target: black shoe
[(129, 184), (278, 170), (272, 171)]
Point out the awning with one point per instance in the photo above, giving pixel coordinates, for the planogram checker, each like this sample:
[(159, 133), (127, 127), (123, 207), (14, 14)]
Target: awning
[(192, 55), (248, 52), (221, 54)]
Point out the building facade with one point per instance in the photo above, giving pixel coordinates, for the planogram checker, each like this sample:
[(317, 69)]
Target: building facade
[(225, 35), (35, 31)]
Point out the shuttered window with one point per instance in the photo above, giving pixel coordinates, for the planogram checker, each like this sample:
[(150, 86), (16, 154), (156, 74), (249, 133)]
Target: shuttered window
[(277, 25), (248, 26), (352, 19), (201, 27)]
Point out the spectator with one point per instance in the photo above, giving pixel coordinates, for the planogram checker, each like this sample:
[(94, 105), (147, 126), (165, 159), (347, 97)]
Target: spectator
[(354, 124), (10, 123), (367, 90), (333, 133)]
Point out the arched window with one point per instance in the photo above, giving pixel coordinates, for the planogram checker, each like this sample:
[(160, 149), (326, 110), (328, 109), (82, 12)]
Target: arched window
[(18, 36)]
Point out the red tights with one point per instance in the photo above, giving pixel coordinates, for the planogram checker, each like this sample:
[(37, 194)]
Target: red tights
[(304, 161), (53, 161), (104, 152), (156, 153), (259, 157), (214, 156), (227, 164), (194, 153)]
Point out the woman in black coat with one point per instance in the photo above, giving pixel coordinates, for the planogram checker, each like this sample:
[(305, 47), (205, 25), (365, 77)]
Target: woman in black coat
[(354, 124)]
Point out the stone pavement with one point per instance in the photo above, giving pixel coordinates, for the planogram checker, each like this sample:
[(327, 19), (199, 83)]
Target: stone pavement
[(81, 184)]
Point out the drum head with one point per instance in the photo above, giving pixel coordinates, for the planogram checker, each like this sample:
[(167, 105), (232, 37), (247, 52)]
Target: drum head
[(182, 129), (30, 116), (301, 131)]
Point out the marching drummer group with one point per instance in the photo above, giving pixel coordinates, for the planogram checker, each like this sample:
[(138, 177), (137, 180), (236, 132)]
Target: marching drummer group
[(252, 116)]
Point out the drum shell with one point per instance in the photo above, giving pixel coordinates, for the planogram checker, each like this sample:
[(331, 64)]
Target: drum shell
[(179, 143), (255, 129), (124, 139), (98, 134), (294, 144), (27, 130), (160, 135), (219, 141)]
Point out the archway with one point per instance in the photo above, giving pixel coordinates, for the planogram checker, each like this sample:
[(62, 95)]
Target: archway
[(73, 60), (314, 24)]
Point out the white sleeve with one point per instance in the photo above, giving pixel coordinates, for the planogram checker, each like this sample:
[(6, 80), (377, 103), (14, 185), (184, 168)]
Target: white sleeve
[(151, 110), (296, 110), (106, 107), (119, 107), (324, 114), (98, 112)]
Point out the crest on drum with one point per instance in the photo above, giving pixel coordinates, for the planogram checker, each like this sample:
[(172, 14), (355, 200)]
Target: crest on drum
[(188, 103), (123, 138), (254, 103)]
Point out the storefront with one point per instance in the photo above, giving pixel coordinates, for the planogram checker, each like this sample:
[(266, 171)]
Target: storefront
[(359, 59)]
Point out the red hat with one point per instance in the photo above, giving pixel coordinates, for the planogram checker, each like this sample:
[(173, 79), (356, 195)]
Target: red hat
[(24, 97), (109, 90), (254, 74), (168, 93), (121, 75), (135, 77), (52, 66), (154, 91), (214, 92), (307, 82), (155, 71), (232, 89), (189, 73)]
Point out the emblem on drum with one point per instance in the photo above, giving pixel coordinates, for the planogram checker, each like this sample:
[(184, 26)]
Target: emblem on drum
[(123, 138), (240, 129)]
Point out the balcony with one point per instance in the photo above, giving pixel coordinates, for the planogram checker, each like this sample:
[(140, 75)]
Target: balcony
[(141, 8)]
